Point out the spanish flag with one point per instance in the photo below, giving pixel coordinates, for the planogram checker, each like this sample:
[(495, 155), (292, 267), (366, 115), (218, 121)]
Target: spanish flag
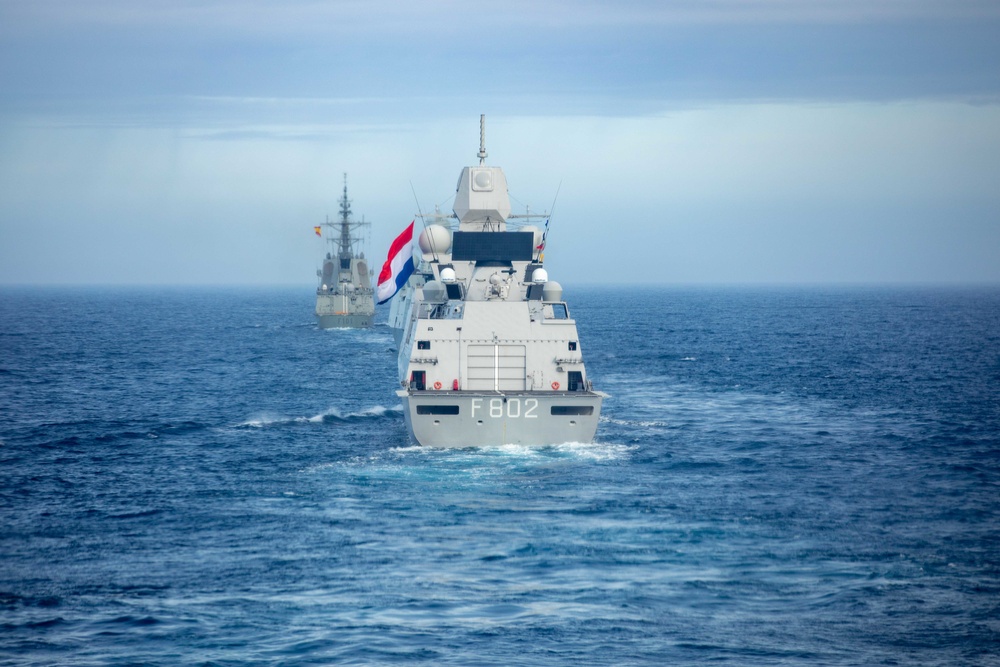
[(318, 230)]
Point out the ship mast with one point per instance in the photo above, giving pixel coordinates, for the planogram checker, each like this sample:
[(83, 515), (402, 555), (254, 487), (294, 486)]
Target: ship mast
[(482, 139), (345, 246)]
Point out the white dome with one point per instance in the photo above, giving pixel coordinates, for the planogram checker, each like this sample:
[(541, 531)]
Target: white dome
[(435, 292), (448, 274), (552, 291), (539, 275), (436, 239)]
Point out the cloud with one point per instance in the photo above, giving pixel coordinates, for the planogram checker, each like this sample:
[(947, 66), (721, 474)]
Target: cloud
[(727, 193)]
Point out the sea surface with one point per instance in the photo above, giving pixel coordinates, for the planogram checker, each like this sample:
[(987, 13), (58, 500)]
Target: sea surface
[(805, 476)]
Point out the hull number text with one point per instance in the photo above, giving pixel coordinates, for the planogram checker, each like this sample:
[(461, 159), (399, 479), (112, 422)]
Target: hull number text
[(512, 407)]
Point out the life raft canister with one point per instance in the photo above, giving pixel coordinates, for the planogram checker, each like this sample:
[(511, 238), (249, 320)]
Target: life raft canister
[(454, 385)]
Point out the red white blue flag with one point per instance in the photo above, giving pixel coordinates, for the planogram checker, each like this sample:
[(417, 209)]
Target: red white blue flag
[(398, 265)]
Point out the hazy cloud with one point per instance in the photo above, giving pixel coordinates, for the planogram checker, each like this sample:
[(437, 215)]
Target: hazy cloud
[(718, 141)]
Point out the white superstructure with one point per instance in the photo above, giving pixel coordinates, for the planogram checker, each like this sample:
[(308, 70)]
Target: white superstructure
[(489, 353)]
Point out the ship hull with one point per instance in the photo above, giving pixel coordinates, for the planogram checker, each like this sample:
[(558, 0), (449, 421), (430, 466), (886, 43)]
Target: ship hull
[(458, 419), (344, 321), (339, 311)]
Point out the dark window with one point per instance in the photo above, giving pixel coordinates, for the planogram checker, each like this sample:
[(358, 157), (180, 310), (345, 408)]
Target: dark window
[(575, 381), (564, 410), (454, 290), (492, 246), (572, 345), (437, 409), (345, 263), (418, 380), (423, 345)]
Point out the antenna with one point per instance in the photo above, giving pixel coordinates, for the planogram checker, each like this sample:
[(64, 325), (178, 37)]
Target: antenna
[(540, 256), (423, 220), (482, 138)]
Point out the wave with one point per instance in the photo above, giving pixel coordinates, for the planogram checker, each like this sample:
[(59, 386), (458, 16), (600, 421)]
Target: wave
[(373, 337), (330, 416), (598, 451), (640, 423)]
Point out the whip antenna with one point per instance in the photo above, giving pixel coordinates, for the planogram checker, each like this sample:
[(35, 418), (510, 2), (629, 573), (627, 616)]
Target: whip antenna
[(423, 220), (482, 138)]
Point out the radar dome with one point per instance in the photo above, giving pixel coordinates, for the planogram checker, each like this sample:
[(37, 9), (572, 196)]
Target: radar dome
[(448, 274), (436, 239), (552, 291), (539, 275), (435, 292)]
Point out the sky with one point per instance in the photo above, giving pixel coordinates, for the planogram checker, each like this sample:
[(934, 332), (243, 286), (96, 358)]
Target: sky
[(197, 142)]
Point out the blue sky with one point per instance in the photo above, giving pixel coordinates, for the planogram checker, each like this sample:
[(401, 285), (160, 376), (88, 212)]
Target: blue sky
[(725, 141)]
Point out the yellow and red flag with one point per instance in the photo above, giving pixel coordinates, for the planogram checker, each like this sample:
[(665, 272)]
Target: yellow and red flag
[(318, 230)]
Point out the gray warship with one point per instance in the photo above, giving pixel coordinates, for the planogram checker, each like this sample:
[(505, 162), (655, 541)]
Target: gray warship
[(489, 353), (344, 297)]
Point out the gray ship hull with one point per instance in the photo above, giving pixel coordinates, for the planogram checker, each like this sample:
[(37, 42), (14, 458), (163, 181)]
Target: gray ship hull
[(342, 311), (457, 419), (344, 321)]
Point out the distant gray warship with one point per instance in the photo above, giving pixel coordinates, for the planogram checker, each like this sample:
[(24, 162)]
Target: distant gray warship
[(488, 352), (345, 297)]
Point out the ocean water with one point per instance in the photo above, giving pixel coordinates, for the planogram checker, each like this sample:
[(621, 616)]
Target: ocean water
[(781, 477)]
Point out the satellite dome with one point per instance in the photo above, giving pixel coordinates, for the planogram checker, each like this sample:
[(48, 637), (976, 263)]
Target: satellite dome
[(435, 292), (436, 239), (448, 274), (539, 275), (552, 291)]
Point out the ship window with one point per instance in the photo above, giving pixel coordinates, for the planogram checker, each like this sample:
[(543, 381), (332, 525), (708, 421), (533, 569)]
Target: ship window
[(437, 409), (558, 311), (418, 380), (575, 381), (572, 345), (423, 345), (345, 263), (564, 410)]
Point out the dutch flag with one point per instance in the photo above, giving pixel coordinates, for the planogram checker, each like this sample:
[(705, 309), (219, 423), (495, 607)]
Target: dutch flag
[(398, 265)]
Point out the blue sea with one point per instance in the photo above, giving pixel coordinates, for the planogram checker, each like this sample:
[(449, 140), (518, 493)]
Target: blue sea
[(805, 476)]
